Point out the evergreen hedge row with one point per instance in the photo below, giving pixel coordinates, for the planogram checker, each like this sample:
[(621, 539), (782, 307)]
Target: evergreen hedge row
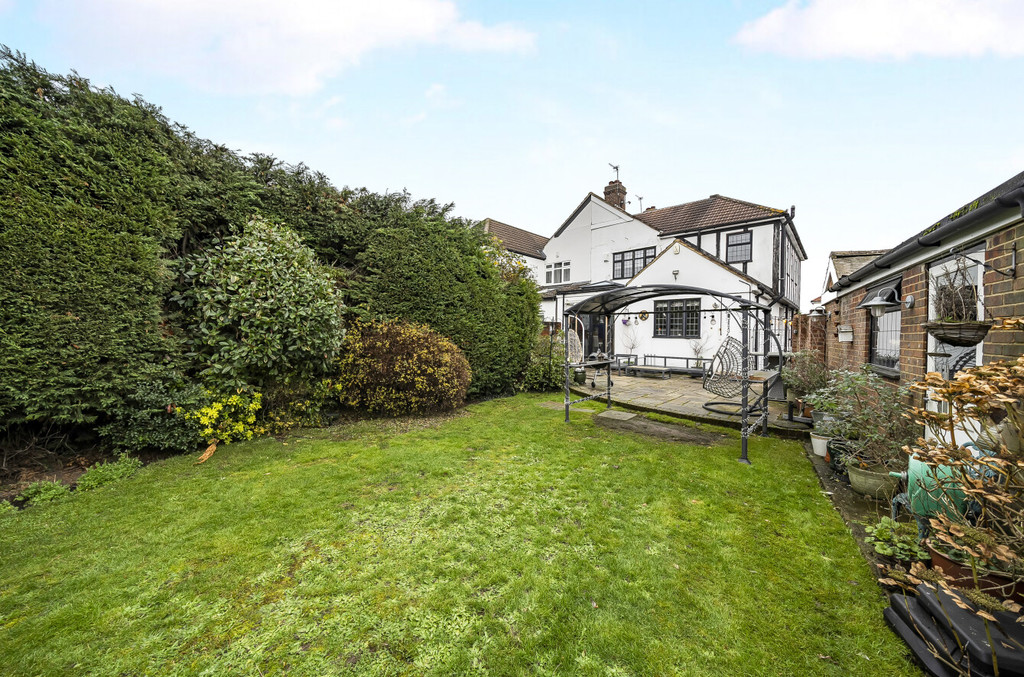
[(102, 198)]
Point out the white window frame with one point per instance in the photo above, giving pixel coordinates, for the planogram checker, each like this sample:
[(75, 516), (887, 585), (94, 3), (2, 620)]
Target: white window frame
[(556, 273)]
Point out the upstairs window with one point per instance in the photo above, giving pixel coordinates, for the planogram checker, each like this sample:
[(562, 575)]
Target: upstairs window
[(627, 264), (677, 319), (557, 273), (739, 247)]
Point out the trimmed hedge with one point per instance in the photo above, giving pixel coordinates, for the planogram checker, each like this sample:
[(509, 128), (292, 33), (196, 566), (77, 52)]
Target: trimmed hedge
[(394, 368), (86, 209), (426, 267)]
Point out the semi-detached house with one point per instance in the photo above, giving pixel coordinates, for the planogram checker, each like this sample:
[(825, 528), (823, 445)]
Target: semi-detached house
[(718, 243)]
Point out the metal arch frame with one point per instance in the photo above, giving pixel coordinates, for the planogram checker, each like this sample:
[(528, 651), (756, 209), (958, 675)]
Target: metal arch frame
[(606, 303)]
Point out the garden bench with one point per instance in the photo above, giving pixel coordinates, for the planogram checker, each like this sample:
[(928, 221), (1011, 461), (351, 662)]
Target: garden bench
[(638, 370)]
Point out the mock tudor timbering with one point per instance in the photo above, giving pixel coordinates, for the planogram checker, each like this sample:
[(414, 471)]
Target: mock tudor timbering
[(720, 243)]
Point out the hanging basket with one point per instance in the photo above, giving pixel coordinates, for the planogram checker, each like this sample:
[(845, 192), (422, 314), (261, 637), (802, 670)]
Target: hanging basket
[(963, 334)]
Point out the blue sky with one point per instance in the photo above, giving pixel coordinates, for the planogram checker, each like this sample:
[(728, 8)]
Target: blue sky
[(875, 118)]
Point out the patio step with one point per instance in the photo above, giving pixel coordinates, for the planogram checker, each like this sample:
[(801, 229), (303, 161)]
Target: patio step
[(635, 423)]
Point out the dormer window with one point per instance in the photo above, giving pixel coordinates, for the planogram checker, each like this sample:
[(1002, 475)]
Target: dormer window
[(556, 273), (739, 247)]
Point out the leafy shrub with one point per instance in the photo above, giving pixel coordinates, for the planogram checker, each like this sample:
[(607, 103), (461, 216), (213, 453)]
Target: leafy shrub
[(7, 510), (229, 417), (395, 368), (896, 539), (43, 492), (805, 372), (546, 369), (152, 417), (105, 473), (422, 266), (870, 414), (261, 310), (298, 405)]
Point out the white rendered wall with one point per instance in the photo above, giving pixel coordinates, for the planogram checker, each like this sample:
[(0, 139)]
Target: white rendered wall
[(589, 241)]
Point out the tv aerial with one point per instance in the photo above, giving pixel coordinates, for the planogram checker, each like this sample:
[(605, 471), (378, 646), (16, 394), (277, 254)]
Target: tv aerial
[(616, 168)]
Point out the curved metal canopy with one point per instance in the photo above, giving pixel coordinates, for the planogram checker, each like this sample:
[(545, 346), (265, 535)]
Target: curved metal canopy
[(608, 302)]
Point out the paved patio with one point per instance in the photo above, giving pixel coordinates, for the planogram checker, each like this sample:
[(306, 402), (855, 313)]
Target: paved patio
[(684, 396)]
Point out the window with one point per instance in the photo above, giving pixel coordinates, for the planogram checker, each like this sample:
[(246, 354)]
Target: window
[(885, 339), (677, 319), (739, 247), (557, 273), (628, 264)]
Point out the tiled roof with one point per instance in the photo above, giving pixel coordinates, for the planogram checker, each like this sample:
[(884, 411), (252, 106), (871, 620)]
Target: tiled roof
[(847, 262), (716, 210), (516, 239)]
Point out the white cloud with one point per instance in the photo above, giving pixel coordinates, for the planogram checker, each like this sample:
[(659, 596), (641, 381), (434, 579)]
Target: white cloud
[(265, 46), (437, 99), (884, 29)]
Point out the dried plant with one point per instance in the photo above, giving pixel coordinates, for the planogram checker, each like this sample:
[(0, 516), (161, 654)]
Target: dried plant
[(955, 294), (985, 405)]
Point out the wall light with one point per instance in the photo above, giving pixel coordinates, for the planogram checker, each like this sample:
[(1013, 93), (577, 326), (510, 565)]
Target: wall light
[(885, 300)]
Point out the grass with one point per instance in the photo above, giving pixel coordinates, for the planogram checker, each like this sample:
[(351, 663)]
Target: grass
[(501, 541)]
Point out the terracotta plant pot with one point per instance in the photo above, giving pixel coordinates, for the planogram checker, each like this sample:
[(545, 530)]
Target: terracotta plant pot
[(995, 584), (873, 482)]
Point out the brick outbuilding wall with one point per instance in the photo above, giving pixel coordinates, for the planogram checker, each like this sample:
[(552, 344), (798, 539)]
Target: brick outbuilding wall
[(1004, 296), (913, 338), (844, 312)]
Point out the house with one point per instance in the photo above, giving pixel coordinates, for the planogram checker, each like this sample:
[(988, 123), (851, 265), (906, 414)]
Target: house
[(718, 243), (528, 246), (978, 241)]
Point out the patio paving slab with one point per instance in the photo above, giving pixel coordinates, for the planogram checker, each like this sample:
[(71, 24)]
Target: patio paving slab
[(683, 396)]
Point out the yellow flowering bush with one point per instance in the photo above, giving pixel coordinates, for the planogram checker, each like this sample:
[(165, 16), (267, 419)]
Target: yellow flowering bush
[(229, 417), (394, 368)]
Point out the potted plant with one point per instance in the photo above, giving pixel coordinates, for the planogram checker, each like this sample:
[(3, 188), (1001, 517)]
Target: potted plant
[(805, 372), (955, 298), (975, 456), (897, 541), (825, 414), (870, 415)]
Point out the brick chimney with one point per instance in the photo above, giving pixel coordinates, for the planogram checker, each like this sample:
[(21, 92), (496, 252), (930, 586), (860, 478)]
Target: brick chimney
[(615, 194)]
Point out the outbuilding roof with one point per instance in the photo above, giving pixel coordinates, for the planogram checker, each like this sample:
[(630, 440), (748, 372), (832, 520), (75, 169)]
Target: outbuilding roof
[(847, 262)]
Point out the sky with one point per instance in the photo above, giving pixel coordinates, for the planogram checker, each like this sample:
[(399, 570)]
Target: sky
[(875, 118)]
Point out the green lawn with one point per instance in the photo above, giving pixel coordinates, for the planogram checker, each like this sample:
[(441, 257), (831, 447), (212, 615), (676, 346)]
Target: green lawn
[(502, 541)]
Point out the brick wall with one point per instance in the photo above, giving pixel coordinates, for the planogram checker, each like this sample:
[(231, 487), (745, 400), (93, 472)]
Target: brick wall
[(1004, 296), (844, 312), (913, 338), (809, 333)]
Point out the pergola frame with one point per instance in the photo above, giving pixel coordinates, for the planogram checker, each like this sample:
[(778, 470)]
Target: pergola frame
[(606, 303)]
